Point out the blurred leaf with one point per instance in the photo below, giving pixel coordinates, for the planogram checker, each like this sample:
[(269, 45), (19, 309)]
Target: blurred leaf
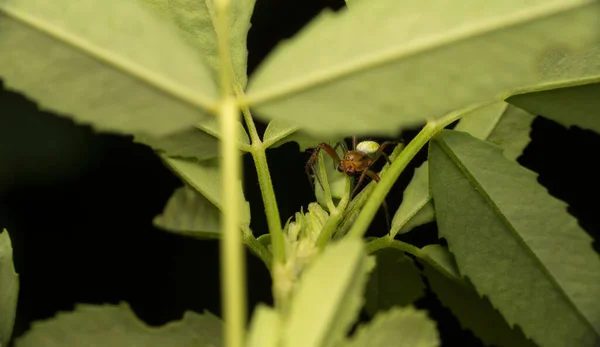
[(113, 65), (328, 297), (9, 289), (474, 312), (117, 326), (189, 143), (205, 177), (189, 213), (385, 64), (504, 125), (399, 327), (394, 282), (211, 127), (265, 327), (576, 105), (195, 20), (515, 242)]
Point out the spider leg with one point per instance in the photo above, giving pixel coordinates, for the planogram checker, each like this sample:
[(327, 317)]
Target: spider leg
[(375, 177), (361, 179), (354, 142), (310, 164), (344, 148), (381, 153)]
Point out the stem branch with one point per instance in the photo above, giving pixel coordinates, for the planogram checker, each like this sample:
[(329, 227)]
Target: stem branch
[(383, 187)]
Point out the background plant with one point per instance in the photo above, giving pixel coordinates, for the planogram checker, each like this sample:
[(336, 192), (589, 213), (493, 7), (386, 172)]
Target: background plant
[(575, 69)]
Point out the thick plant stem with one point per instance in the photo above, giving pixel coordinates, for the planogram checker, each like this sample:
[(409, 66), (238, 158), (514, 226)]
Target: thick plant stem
[(233, 271), (233, 267)]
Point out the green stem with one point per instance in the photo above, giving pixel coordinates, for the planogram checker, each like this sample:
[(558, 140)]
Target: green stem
[(254, 138), (383, 187), (399, 164), (257, 248), (266, 184), (271, 209), (233, 271), (335, 217), (386, 241)]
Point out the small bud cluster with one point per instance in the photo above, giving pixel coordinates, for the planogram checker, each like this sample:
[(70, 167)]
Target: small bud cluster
[(300, 247)]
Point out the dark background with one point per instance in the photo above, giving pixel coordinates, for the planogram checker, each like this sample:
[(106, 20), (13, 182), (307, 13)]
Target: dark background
[(79, 205)]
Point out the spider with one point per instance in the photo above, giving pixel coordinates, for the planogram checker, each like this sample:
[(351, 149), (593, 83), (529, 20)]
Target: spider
[(357, 161)]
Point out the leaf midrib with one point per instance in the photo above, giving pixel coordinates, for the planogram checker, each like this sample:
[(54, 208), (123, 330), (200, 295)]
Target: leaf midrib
[(380, 58), (118, 63), (497, 211)]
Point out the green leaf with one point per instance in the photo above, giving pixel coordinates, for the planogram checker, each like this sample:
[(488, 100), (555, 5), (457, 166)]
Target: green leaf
[(336, 179), (515, 242), (189, 213), (474, 312), (512, 132), (117, 326), (113, 65), (416, 208), (279, 132), (9, 289), (189, 143), (399, 327), (394, 282), (328, 297), (385, 64), (265, 240), (211, 126), (205, 177), (499, 123), (577, 105), (264, 329), (195, 20)]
